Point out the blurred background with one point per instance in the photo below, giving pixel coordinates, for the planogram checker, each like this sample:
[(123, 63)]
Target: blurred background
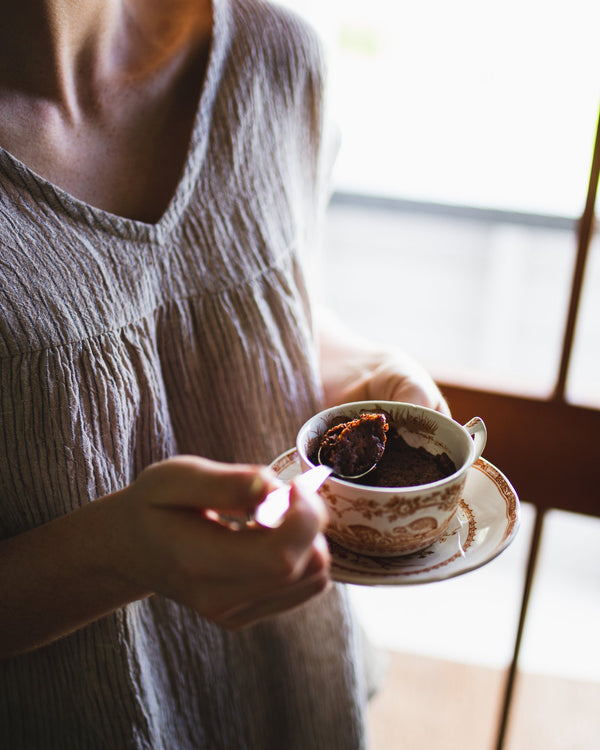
[(467, 136)]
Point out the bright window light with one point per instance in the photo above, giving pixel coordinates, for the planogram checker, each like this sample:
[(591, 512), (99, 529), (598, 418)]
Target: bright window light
[(467, 132), (469, 102)]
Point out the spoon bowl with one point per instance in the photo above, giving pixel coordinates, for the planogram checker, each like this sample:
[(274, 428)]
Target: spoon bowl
[(353, 448), (349, 477)]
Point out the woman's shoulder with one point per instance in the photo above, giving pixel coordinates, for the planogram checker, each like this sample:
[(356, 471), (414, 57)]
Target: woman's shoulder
[(276, 35)]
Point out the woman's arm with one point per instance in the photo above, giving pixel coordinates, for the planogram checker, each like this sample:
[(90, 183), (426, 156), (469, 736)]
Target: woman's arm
[(155, 537), (354, 369), (62, 575)]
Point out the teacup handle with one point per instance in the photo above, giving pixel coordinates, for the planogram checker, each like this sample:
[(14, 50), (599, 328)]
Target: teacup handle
[(477, 430)]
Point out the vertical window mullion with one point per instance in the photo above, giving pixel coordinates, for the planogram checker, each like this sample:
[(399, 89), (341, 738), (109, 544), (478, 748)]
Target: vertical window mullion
[(584, 235)]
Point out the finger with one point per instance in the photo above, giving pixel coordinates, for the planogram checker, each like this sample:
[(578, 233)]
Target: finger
[(277, 602), (264, 560), (281, 554), (194, 482), (218, 599), (443, 408), (307, 506), (305, 486), (305, 518), (415, 393), (252, 615), (246, 563)]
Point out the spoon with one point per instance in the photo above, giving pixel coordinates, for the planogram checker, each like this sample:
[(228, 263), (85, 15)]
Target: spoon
[(350, 477), (272, 509), (354, 448)]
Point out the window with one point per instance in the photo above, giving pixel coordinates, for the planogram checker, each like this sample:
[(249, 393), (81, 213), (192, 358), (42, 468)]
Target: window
[(467, 133)]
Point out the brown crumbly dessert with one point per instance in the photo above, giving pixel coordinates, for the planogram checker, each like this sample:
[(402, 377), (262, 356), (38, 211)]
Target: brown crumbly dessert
[(353, 447), (404, 466)]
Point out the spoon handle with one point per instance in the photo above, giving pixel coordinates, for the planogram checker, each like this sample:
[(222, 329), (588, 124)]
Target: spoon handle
[(272, 509)]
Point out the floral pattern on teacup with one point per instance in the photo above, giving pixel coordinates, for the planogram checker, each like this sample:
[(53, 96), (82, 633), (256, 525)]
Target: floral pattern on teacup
[(403, 539), (395, 507), (377, 564)]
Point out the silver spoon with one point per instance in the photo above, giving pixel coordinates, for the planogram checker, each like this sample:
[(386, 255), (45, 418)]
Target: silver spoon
[(349, 477), (365, 434), (272, 509)]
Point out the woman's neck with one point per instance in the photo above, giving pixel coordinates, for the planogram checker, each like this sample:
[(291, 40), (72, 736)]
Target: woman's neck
[(99, 96), (65, 51), (48, 46)]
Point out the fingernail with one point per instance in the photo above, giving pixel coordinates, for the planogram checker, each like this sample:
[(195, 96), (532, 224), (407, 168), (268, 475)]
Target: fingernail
[(261, 483)]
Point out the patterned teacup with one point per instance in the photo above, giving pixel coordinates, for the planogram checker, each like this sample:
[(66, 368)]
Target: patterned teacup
[(390, 521)]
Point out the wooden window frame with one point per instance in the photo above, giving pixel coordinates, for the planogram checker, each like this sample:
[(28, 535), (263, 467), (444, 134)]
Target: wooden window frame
[(549, 448)]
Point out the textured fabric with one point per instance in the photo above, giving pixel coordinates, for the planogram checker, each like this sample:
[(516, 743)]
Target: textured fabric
[(122, 343)]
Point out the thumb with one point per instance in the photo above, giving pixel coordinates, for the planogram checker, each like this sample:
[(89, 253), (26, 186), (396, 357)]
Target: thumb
[(197, 483)]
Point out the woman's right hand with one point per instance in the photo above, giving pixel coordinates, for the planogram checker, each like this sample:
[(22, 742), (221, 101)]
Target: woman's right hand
[(156, 536), (233, 577)]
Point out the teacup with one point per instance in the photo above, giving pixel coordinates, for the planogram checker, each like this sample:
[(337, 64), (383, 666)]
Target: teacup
[(391, 521)]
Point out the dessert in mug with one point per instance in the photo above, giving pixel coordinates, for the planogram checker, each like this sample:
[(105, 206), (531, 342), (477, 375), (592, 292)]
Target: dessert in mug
[(353, 446)]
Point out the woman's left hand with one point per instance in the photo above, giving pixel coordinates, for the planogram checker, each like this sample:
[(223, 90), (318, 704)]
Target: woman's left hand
[(357, 370), (398, 378)]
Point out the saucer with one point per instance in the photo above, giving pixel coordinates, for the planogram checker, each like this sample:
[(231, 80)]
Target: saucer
[(486, 522)]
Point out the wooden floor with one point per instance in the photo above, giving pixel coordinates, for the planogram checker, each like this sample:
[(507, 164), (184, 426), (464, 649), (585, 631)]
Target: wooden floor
[(429, 704)]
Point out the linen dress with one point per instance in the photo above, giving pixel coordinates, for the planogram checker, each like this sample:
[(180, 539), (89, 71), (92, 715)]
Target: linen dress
[(122, 343)]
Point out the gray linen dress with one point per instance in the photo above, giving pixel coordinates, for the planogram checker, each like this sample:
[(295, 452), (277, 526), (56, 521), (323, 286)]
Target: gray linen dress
[(122, 343)]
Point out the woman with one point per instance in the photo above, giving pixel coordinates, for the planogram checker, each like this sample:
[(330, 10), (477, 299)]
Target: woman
[(162, 175)]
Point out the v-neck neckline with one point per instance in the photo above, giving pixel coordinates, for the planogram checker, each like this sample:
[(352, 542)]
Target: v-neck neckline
[(138, 229)]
